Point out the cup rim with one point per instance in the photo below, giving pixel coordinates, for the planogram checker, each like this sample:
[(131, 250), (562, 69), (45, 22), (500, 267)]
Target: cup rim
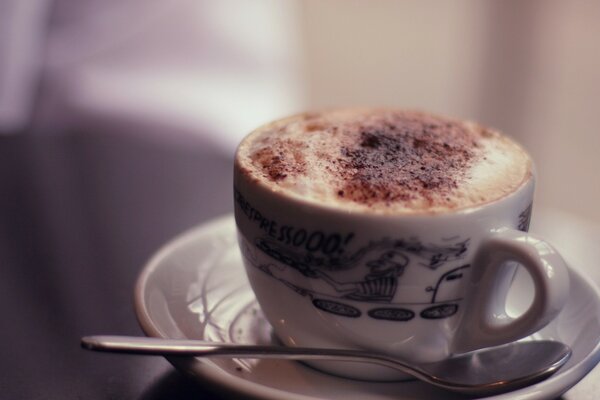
[(244, 173), (296, 200)]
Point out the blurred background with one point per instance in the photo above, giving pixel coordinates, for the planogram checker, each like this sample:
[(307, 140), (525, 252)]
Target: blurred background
[(119, 118), (191, 74), (110, 110)]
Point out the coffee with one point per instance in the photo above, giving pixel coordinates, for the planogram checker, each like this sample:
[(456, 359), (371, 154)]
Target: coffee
[(384, 161)]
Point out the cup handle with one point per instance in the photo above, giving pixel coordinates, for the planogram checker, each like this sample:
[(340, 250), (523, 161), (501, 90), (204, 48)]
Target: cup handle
[(485, 322)]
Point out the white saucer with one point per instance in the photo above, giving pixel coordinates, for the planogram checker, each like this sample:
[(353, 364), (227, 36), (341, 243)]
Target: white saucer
[(196, 288)]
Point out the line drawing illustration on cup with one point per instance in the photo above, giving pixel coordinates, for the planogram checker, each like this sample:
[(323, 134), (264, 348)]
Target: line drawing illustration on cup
[(525, 218), (379, 267)]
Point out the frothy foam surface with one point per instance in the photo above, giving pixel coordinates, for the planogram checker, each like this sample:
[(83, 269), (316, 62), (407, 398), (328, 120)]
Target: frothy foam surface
[(384, 160)]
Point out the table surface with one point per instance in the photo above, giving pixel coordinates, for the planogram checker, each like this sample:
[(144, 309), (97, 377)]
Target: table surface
[(81, 214)]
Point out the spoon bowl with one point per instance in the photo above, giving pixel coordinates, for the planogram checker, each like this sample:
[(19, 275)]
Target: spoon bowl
[(484, 372)]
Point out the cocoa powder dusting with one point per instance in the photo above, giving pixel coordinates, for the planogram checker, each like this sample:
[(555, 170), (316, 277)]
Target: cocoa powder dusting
[(377, 158), (410, 158), (280, 158)]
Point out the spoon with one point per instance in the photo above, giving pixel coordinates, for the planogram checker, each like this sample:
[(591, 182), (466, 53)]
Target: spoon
[(483, 372)]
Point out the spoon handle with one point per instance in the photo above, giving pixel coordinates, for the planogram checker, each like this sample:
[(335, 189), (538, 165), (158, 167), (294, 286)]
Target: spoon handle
[(198, 348)]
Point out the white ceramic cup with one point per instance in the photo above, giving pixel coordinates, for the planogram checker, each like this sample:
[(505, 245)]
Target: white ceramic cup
[(418, 286)]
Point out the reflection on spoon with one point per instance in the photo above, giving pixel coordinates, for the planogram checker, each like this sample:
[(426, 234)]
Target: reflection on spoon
[(482, 373)]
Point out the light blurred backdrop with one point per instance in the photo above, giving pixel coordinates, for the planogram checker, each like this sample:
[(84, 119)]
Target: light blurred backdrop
[(140, 90)]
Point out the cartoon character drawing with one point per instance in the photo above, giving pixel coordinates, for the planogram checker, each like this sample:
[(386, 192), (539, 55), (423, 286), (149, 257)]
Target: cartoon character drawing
[(379, 284), (372, 274)]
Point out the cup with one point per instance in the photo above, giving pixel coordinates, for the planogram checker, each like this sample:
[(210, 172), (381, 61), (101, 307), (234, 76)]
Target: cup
[(421, 287)]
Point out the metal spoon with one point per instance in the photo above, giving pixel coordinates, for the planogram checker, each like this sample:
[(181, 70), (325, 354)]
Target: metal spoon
[(483, 372)]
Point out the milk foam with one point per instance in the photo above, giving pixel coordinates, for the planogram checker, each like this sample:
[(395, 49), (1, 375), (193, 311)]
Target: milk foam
[(384, 161)]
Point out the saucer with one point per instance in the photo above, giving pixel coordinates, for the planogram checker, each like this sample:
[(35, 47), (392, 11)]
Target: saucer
[(195, 287)]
